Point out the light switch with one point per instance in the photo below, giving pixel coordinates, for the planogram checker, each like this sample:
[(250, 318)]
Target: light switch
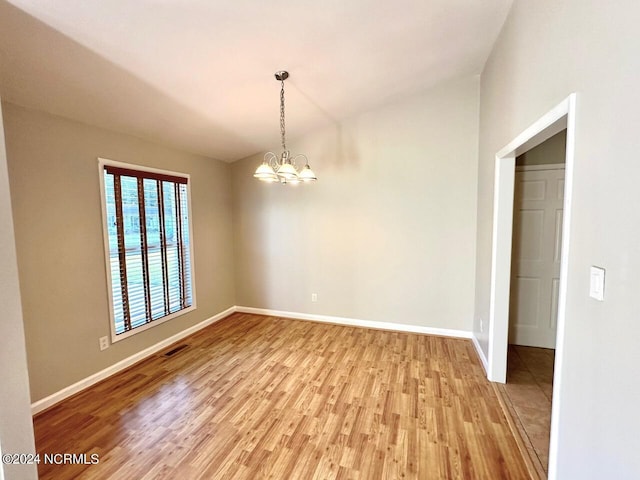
[(596, 285)]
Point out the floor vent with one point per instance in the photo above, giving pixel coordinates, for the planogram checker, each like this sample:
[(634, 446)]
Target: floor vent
[(173, 351)]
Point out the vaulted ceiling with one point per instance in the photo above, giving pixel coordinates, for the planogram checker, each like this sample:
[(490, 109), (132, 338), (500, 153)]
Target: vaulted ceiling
[(198, 74)]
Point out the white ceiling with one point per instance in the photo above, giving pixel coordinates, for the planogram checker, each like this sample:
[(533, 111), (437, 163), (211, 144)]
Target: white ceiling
[(198, 74)]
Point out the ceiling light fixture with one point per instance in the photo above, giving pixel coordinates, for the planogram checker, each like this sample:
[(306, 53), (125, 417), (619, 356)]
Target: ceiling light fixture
[(283, 169)]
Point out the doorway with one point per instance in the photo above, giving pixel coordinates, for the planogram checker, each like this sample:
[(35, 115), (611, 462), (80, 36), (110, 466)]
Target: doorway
[(533, 306), (537, 242), (561, 117)]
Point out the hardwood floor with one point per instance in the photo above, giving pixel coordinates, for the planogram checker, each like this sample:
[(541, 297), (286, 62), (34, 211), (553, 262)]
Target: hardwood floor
[(264, 397)]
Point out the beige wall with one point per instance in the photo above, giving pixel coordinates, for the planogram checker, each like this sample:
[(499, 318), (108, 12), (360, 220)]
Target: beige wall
[(53, 172), (551, 151), (547, 50), (16, 429), (388, 231)]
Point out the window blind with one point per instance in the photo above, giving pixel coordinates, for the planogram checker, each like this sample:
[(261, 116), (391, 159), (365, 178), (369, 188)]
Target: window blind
[(149, 246)]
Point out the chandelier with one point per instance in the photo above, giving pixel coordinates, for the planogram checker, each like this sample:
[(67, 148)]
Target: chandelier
[(283, 168)]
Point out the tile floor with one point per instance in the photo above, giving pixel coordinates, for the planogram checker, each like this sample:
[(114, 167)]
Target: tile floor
[(529, 388)]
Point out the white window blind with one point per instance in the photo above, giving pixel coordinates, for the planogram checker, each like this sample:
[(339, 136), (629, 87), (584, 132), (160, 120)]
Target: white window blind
[(149, 252)]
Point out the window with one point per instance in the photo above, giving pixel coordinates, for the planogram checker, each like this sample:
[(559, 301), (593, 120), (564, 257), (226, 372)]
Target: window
[(147, 246)]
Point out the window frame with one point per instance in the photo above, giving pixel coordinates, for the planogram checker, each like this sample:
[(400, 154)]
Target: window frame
[(102, 163)]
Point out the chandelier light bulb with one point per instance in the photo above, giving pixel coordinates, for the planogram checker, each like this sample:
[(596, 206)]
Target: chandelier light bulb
[(307, 175), (265, 173)]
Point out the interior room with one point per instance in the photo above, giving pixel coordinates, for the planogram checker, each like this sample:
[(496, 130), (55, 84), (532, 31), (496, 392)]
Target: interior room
[(319, 240)]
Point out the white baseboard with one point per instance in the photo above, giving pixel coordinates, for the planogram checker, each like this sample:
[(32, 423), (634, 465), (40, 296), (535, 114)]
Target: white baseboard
[(46, 402), (400, 327), (483, 359)]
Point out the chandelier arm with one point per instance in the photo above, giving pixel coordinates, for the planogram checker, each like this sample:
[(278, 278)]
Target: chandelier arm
[(293, 160), (271, 159)]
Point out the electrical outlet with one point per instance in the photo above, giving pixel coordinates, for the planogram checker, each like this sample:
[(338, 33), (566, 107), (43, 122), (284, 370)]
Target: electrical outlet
[(314, 297), (104, 343)]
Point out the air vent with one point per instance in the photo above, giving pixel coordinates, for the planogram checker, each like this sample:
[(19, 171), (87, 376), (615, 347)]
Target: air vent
[(175, 350)]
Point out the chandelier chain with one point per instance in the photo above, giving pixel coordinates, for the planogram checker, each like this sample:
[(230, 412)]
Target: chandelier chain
[(282, 129)]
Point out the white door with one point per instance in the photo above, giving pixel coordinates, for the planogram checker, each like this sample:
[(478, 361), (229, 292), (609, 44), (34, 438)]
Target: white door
[(535, 272)]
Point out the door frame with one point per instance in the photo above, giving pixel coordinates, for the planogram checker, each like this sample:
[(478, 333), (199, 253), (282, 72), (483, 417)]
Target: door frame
[(558, 118)]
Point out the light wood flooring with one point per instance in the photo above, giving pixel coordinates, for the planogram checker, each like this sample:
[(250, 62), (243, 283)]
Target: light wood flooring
[(264, 397)]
